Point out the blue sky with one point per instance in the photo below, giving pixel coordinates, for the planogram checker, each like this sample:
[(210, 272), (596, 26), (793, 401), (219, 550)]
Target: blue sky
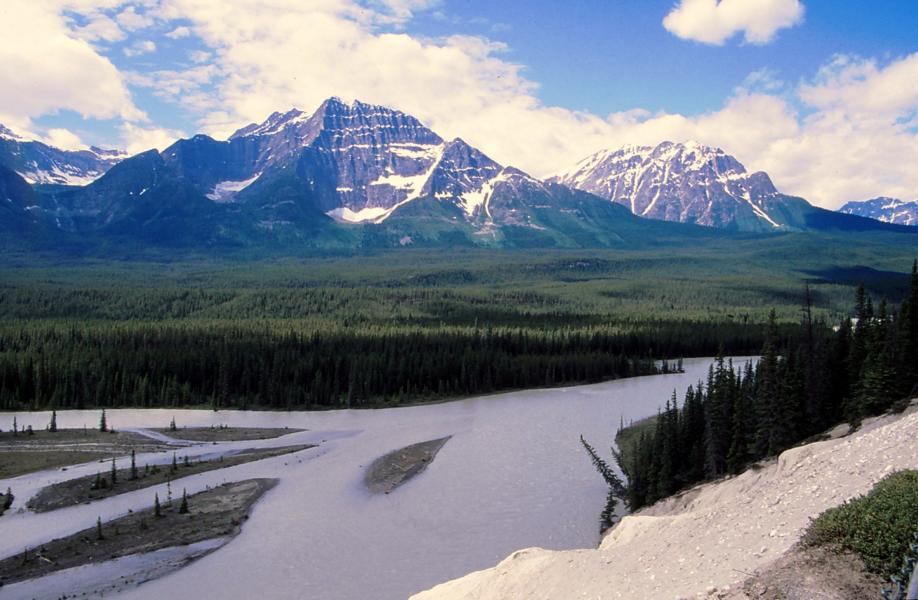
[(611, 56), (783, 84)]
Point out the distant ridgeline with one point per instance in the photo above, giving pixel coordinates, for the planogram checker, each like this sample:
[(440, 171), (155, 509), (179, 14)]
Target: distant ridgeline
[(799, 388)]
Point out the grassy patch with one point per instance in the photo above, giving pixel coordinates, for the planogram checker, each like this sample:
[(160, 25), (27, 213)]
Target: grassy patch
[(878, 527), (16, 463), (96, 487), (226, 434), (212, 513)]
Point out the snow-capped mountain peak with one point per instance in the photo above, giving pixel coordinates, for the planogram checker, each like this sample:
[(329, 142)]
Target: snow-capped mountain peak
[(37, 162), (275, 122), (883, 208), (686, 182), (9, 134)]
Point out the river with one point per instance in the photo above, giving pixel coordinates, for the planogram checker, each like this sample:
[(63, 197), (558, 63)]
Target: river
[(512, 476)]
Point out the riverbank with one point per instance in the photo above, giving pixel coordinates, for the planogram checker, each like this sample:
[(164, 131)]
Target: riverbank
[(217, 512), (225, 433), (709, 539), (26, 453), (100, 486), (399, 466)]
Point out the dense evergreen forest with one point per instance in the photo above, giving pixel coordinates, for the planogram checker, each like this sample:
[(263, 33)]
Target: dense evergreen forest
[(802, 385), (369, 331)]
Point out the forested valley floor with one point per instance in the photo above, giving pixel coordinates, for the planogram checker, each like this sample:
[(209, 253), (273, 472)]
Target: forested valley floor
[(403, 327)]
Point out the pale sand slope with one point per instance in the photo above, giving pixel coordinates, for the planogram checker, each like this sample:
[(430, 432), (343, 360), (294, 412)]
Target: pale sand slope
[(711, 536)]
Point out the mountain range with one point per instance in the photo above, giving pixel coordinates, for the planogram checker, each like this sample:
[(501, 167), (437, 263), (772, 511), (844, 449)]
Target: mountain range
[(888, 210), (358, 175), (39, 163)]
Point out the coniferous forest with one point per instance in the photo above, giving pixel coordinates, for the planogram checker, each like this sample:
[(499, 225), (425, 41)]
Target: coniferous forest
[(801, 386), (388, 329)]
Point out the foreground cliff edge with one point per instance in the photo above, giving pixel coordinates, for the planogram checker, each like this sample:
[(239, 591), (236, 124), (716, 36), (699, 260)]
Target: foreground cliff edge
[(709, 540)]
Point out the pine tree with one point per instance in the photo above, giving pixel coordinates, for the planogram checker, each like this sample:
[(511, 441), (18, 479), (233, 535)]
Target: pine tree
[(103, 423), (738, 454), (183, 507), (52, 426), (907, 339), (114, 473), (157, 510), (174, 466), (172, 426), (15, 426), (133, 464), (99, 535), (767, 438), (717, 419), (7, 499)]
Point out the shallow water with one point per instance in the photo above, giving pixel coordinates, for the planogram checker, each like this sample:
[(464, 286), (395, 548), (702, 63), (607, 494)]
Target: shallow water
[(513, 475)]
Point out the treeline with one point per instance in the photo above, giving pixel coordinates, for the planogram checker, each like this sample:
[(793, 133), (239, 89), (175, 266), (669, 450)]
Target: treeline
[(227, 366), (800, 387)]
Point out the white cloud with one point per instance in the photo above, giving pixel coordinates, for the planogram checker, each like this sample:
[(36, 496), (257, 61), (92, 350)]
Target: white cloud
[(47, 68), (99, 27), (716, 21), (131, 20), (140, 139), (856, 136), (65, 139), (140, 47), (179, 33), (849, 133)]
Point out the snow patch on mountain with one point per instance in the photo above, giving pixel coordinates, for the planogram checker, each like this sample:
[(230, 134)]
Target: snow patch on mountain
[(39, 163), (686, 182), (347, 215), (225, 190), (888, 210)]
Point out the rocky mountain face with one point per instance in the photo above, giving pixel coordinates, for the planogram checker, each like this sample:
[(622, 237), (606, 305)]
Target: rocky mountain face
[(37, 162), (888, 210), (355, 174), (688, 183), (310, 178)]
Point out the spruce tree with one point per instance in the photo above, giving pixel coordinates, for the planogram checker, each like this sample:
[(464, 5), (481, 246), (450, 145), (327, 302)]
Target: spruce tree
[(157, 510), (114, 473), (52, 426), (103, 422), (767, 438), (738, 454), (183, 507), (909, 336), (99, 535), (133, 464)]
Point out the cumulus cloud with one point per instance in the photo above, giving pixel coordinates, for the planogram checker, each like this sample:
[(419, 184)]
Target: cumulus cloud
[(716, 21), (848, 133), (854, 135), (131, 20), (64, 138), (179, 33), (137, 139), (140, 47), (47, 68)]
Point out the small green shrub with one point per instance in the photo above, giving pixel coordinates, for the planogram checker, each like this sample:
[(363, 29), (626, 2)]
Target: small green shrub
[(878, 527)]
